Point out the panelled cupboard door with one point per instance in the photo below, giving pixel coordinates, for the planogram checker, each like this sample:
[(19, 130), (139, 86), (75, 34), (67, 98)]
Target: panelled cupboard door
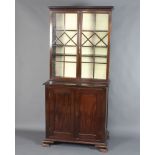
[(91, 111), (62, 115)]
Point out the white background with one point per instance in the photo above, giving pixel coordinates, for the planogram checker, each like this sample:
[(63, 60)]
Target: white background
[(7, 77)]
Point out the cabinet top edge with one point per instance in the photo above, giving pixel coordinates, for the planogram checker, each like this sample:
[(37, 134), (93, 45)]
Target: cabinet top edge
[(81, 7), (82, 84)]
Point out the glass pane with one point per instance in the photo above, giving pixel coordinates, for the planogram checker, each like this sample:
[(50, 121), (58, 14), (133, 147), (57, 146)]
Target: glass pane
[(59, 58), (89, 39), (70, 69), (101, 51), (65, 44), (102, 21), (87, 50), (61, 38), (103, 38), (88, 21), (106, 40), (100, 60), (70, 58), (58, 69), (85, 38), (71, 21), (100, 71), (66, 38), (59, 50), (71, 37), (94, 38), (95, 28), (59, 21), (70, 50), (87, 59), (87, 70)]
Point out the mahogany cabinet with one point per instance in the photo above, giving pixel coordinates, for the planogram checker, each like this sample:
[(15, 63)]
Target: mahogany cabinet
[(76, 95)]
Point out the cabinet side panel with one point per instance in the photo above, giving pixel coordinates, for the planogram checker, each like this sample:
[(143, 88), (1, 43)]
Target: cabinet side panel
[(49, 108), (46, 111), (101, 115)]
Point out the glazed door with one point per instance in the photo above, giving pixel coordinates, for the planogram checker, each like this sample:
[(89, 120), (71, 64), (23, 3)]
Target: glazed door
[(91, 111), (62, 116), (95, 45)]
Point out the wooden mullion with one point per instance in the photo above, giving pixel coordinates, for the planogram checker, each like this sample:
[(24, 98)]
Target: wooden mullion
[(79, 36), (108, 52), (52, 50), (94, 51), (64, 47)]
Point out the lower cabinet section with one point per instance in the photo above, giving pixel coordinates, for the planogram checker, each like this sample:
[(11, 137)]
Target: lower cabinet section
[(76, 114)]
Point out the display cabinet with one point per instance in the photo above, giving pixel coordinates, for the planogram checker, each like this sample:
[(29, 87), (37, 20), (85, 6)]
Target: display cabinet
[(76, 95)]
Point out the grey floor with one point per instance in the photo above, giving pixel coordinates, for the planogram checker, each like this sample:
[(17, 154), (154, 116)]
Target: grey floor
[(28, 142)]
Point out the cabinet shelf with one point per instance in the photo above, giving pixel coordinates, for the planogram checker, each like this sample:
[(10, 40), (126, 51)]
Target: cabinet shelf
[(96, 46), (66, 61), (84, 55), (83, 30), (95, 62), (71, 55), (95, 30), (81, 62), (59, 45), (93, 55), (65, 30), (54, 55)]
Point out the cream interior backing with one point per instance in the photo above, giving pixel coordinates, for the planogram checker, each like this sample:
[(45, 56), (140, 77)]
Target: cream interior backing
[(65, 22), (97, 23)]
